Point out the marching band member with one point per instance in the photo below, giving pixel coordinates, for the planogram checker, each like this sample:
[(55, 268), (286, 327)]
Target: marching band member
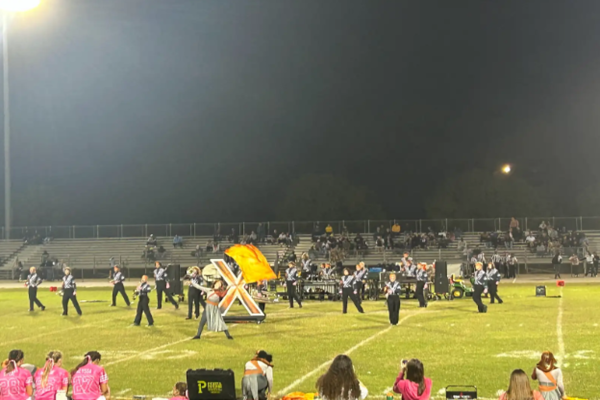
[(422, 278), (393, 290), (90, 381), (33, 281), (258, 377), (404, 260), (497, 260), (493, 280), (291, 281), (180, 391), (212, 313), (306, 265), (15, 382), (361, 279), (52, 381), (195, 295), (512, 261), (143, 303), (479, 287), (69, 292), (327, 272), (117, 281), (411, 268), (348, 289), (556, 261), (160, 278)]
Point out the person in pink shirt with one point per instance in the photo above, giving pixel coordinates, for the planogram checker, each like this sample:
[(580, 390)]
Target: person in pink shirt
[(180, 391), (52, 379), (89, 380), (15, 382), (411, 382)]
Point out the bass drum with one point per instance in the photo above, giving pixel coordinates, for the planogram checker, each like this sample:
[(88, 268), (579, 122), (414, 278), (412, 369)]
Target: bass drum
[(210, 273)]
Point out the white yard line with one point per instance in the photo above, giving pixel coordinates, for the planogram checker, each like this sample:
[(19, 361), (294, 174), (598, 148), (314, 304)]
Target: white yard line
[(559, 331), (164, 346), (347, 352)]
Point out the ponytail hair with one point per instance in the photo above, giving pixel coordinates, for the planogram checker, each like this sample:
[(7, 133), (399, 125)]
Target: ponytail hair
[(51, 359), (89, 358), (181, 389), (14, 357)]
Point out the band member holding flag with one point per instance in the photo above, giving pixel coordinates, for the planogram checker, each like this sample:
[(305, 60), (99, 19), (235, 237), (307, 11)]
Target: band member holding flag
[(160, 277), (212, 313), (117, 281), (33, 281), (194, 295), (393, 290), (142, 292), (69, 292)]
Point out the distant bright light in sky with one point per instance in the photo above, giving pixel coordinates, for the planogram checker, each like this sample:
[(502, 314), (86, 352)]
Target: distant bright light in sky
[(18, 5), (506, 169)]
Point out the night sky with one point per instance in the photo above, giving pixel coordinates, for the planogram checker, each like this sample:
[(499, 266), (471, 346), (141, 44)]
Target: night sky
[(191, 111)]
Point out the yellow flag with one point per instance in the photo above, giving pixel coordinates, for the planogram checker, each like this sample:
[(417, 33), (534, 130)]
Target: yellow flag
[(252, 262)]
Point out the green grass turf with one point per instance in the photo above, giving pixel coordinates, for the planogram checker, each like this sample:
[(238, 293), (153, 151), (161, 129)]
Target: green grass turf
[(456, 345)]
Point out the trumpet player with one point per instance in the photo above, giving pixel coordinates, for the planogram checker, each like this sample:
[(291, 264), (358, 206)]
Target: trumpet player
[(118, 287), (142, 292), (69, 292), (194, 294)]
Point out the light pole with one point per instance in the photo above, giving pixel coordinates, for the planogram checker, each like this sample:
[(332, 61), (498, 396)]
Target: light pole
[(9, 6)]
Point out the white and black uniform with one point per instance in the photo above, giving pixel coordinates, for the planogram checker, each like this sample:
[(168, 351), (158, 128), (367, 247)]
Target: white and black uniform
[(33, 281), (69, 290), (291, 279), (195, 296), (422, 278), (478, 288), (160, 277), (556, 261), (348, 289), (511, 261), (411, 271), (361, 277), (143, 304), (493, 280), (394, 289), (497, 260), (118, 280)]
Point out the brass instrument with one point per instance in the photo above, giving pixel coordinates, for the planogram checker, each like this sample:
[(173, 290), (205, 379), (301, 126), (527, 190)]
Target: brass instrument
[(210, 273)]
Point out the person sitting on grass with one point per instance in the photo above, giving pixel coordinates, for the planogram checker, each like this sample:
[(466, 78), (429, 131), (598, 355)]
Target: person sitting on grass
[(180, 391), (89, 379), (550, 377), (340, 381), (16, 382), (519, 388), (258, 377), (411, 382)]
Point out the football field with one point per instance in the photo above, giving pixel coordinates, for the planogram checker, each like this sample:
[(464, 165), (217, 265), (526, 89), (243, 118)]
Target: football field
[(456, 344)]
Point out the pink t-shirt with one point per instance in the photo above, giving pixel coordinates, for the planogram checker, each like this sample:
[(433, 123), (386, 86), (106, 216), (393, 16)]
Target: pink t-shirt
[(13, 384), (86, 382), (58, 378), (179, 398), (410, 389)]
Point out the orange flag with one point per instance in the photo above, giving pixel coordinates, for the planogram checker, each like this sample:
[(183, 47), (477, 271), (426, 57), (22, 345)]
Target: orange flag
[(252, 262)]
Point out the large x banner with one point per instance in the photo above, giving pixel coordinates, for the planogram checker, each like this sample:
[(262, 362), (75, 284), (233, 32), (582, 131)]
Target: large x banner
[(235, 290)]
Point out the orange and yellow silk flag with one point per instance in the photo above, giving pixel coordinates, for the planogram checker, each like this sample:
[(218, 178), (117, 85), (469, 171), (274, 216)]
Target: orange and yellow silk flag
[(252, 262)]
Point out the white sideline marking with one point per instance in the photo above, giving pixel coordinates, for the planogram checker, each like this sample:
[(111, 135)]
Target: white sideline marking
[(386, 391), (559, 331), (155, 349), (347, 352), (45, 334), (122, 392)]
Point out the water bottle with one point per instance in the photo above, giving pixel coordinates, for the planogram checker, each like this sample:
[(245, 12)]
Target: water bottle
[(389, 396)]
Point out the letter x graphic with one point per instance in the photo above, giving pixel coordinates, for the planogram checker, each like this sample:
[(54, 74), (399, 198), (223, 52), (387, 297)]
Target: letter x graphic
[(235, 290)]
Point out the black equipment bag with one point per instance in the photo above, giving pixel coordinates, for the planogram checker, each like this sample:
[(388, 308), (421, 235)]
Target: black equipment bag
[(461, 392), (211, 384)]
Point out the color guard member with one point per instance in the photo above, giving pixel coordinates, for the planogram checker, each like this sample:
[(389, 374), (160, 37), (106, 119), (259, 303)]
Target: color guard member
[(160, 277), (393, 290), (422, 278), (348, 289), (33, 281), (69, 292), (291, 281), (493, 280), (479, 287), (361, 275), (117, 281), (142, 292)]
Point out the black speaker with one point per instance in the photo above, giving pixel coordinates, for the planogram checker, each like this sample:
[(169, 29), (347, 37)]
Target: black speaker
[(441, 277), (210, 384), (174, 273), (540, 291)]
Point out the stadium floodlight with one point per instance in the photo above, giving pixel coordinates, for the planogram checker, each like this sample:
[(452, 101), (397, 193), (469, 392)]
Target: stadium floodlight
[(18, 5), (9, 6), (506, 169)]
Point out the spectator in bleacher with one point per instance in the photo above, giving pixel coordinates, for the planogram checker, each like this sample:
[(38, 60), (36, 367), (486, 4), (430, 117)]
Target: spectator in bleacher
[(340, 381), (543, 226), (161, 252), (519, 388), (513, 223), (233, 237), (253, 238), (282, 239), (345, 231), (396, 229), (550, 377), (411, 382), (530, 241), (217, 235), (329, 230), (216, 247), (462, 245), (209, 246), (178, 242), (151, 241)]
